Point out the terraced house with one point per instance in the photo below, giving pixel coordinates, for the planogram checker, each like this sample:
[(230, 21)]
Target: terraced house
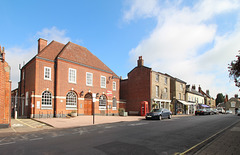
[(144, 84), (65, 78)]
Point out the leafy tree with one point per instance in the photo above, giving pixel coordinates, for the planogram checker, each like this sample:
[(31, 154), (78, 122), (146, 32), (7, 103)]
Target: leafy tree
[(234, 70), (219, 99)]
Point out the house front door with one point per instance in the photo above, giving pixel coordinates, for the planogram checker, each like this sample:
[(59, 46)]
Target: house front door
[(88, 104)]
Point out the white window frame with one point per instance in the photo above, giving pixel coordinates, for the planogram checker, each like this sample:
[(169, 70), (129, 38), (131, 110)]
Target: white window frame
[(114, 86), (166, 79), (157, 78), (47, 100), (89, 80), (103, 83), (71, 100), (46, 70), (70, 74), (157, 91)]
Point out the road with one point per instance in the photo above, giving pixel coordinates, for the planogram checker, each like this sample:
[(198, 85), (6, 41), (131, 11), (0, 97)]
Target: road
[(141, 137)]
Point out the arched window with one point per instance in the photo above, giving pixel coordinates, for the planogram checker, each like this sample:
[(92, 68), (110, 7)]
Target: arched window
[(46, 99), (114, 106), (102, 102), (71, 99)]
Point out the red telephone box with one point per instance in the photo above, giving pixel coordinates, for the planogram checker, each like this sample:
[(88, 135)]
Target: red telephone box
[(144, 108)]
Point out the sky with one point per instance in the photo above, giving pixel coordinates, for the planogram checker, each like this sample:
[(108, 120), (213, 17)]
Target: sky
[(191, 40)]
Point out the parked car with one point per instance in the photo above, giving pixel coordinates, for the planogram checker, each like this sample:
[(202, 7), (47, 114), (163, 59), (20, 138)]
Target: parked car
[(201, 112), (228, 112), (159, 114), (209, 111), (220, 110), (215, 111), (238, 112)]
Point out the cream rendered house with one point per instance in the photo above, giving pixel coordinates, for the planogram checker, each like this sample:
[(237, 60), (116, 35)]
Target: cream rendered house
[(160, 92), (193, 97)]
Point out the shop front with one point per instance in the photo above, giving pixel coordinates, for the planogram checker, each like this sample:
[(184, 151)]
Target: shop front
[(160, 103)]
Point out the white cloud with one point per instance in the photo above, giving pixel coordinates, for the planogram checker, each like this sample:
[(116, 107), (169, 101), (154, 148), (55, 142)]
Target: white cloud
[(141, 8), (54, 34), (175, 45), (18, 55)]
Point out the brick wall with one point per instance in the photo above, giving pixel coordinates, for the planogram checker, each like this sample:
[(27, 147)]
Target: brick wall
[(5, 93), (139, 88)]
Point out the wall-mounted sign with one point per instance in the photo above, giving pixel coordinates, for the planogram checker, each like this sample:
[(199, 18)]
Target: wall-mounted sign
[(233, 104), (109, 93)]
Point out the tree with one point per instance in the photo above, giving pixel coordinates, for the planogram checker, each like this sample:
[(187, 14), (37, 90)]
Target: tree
[(234, 70), (219, 99)]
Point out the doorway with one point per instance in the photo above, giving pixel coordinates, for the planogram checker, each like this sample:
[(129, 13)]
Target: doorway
[(88, 104)]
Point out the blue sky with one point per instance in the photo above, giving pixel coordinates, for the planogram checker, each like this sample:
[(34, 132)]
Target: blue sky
[(191, 40)]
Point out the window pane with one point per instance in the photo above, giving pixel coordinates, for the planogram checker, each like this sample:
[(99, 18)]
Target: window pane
[(71, 99), (46, 98)]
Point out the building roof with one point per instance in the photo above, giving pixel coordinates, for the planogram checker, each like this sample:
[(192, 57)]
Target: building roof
[(74, 53), (193, 91), (51, 51), (81, 55)]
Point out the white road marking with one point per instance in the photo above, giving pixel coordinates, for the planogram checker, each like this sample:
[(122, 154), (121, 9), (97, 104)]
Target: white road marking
[(35, 139), (7, 143)]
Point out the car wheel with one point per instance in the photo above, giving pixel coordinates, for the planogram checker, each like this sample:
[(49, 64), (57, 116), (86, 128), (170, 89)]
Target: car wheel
[(160, 117), (170, 116)]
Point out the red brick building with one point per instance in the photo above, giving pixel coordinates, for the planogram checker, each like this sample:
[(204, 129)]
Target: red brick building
[(62, 79), (144, 84), (5, 91)]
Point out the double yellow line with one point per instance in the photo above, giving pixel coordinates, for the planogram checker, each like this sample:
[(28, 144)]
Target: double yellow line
[(205, 140)]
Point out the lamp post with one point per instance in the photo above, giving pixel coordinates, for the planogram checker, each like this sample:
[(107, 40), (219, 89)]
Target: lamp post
[(94, 100)]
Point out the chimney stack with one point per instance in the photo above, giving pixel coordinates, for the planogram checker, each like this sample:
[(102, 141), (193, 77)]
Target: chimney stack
[(140, 61), (193, 87), (226, 98), (42, 43), (236, 96), (199, 89), (2, 54), (207, 91)]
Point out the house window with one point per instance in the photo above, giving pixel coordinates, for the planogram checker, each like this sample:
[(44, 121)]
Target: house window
[(157, 91), (179, 96), (71, 100), (102, 102), (46, 99), (114, 85), (72, 75), (47, 73), (26, 103), (103, 82), (166, 79), (164, 95), (181, 87), (114, 107), (157, 77), (89, 79)]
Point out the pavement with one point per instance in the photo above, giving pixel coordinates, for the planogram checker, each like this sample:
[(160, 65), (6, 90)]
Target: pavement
[(223, 143)]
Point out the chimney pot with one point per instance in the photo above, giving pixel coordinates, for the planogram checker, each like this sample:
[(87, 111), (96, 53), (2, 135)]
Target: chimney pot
[(42, 43), (140, 61)]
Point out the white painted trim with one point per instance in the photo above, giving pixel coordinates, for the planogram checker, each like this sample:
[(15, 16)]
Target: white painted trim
[(161, 100), (61, 97), (36, 95)]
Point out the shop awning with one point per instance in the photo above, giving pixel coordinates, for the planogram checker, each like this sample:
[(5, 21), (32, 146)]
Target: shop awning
[(205, 106), (186, 103), (161, 100)]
